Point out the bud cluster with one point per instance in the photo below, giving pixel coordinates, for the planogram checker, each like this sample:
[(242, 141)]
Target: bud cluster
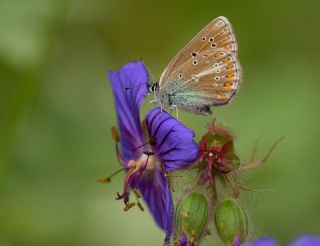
[(208, 202)]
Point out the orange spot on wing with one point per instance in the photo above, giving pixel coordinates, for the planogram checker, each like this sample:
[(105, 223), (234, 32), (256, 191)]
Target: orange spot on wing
[(230, 75), (226, 59), (229, 67), (222, 96), (228, 85), (219, 55)]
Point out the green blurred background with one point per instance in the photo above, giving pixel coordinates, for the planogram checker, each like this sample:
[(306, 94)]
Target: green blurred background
[(56, 111)]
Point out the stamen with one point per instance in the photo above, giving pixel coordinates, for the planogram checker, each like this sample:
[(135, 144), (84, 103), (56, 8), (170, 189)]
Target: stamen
[(145, 165), (108, 179), (115, 134), (124, 196), (132, 164), (104, 180), (128, 206), (151, 141), (140, 146), (137, 195), (140, 206)]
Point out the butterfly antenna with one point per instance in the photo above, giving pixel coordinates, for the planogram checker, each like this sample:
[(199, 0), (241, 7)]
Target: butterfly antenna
[(151, 77)]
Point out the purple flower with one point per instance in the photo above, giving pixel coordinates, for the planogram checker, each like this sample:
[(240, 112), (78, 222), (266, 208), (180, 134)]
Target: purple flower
[(184, 240), (263, 241), (150, 149), (304, 240)]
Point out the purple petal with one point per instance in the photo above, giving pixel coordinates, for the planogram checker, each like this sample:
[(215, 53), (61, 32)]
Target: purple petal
[(183, 240), (129, 84), (236, 241), (174, 145), (306, 240), (155, 191), (264, 241)]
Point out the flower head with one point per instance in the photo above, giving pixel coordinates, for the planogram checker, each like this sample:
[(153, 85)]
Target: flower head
[(217, 153), (148, 150)]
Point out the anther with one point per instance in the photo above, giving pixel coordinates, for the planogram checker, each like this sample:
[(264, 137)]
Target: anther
[(104, 180), (128, 206), (108, 179), (137, 193), (132, 164), (115, 134), (119, 197), (140, 206)]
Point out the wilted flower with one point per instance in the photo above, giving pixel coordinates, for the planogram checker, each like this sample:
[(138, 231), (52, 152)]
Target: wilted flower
[(148, 151), (217, 154)]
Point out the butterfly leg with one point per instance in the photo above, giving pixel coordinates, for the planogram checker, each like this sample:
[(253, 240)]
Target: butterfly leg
[(154, 101), (172, 107)]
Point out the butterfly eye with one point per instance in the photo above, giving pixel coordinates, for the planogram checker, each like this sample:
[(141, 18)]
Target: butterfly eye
[(211, 39), (195, 62), (213, 45)]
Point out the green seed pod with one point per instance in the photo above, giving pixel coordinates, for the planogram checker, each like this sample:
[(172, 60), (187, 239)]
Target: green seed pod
[(231, 221), (192, 216)]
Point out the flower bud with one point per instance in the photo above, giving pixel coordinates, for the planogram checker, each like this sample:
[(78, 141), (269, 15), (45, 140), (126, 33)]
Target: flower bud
[(192, 216), (231, 221)]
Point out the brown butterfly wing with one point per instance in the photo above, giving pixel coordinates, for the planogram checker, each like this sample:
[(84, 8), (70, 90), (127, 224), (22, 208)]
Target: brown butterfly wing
[(208, 65)]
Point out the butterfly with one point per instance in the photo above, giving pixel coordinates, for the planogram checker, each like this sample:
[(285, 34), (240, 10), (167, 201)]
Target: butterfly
[(205, 73)]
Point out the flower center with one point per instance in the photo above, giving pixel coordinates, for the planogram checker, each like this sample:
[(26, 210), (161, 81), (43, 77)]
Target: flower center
[(148, 162)]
